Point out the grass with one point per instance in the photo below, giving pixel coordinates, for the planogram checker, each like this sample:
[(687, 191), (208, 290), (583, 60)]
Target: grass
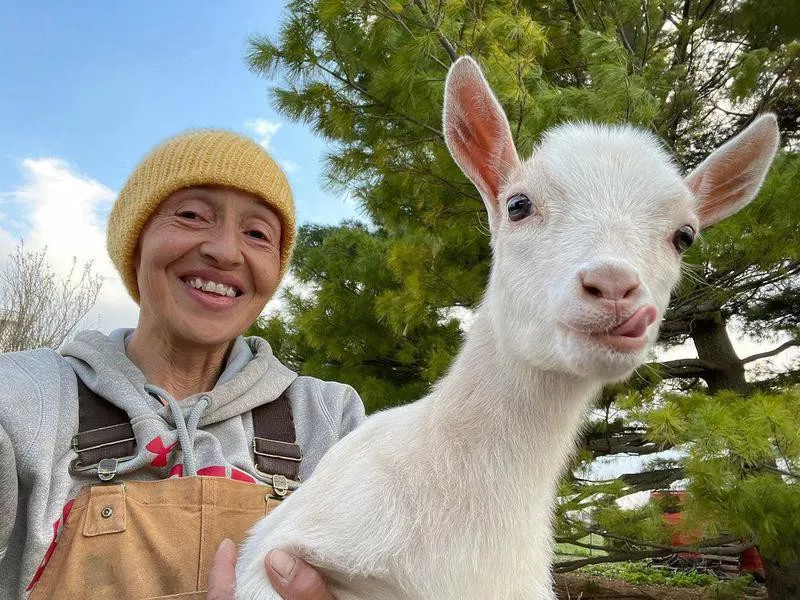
[(643, 574), (732, 589)]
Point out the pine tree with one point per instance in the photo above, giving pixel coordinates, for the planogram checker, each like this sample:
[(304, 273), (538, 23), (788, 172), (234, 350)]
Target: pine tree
[(382, 304)]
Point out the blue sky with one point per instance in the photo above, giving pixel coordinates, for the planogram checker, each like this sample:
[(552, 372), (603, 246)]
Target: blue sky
[(90, 87)]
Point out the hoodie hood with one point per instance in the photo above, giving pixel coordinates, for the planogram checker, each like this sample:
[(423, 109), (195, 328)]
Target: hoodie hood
[(252, 376)]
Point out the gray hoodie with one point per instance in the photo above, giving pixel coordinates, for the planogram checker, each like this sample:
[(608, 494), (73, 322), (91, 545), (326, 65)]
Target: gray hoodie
[(39, 416)]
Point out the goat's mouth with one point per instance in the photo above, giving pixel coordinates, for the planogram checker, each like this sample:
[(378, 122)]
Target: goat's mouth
[(631, 334)]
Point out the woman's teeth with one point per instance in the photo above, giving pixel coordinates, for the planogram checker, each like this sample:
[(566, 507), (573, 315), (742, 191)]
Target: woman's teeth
[(212, 287)]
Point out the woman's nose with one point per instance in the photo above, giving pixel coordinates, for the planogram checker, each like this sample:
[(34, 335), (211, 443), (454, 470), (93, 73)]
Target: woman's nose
[(223, 247)]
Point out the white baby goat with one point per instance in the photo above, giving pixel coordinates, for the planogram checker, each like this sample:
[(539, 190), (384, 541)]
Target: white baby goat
[(451, 497)]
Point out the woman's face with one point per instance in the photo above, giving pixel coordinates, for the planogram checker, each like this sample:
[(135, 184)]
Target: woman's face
[(208, 261)]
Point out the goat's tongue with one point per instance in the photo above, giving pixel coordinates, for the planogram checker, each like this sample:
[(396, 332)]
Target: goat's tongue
[(637, 323)]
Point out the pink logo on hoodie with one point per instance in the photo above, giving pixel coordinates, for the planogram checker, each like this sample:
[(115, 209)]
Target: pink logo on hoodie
[(156, 446)]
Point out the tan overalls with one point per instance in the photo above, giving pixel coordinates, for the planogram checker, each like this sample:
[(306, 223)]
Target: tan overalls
[(149, 539), (135, 540)]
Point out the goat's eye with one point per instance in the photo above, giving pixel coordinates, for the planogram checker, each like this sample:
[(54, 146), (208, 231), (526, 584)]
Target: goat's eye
[(519, 206), (683, 238)]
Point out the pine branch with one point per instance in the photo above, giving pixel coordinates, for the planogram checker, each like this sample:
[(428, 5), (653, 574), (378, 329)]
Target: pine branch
[(772, 352), (719, 547), (572, 565), (709, 547), (731, 113), (634, 445), (572, 5), (646, 15), (580, 544), (771, 87), (780, 471), (685, 367), (722, 71), (641, 482), (433, 27), (649, 480), (625, 42), (704, 13), (352, 84)]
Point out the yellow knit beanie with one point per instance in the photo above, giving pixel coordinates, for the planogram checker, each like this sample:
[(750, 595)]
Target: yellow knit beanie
[(201, 157)]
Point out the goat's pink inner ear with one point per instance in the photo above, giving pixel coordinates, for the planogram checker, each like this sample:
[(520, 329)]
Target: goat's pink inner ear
[(731, 177), (477, 131), (483, 137)]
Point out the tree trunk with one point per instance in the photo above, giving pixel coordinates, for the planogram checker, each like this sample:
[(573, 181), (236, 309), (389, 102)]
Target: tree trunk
[(714, 345), (783, 581)]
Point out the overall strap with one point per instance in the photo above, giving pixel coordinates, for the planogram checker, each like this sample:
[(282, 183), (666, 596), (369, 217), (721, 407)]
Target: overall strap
[(104, 434), (276, 453)]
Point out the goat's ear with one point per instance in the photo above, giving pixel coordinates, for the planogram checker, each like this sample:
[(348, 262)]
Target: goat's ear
[(728, 179), (477, 133)]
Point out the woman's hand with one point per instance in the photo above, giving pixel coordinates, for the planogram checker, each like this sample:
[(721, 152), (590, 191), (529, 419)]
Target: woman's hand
[(292, 578)]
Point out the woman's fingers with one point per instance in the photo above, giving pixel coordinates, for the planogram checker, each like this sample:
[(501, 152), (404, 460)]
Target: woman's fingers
[(222, 574), (295, 579)]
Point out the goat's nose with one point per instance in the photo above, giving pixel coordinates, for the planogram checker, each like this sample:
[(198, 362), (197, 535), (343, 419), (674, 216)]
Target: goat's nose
[(610, 282)]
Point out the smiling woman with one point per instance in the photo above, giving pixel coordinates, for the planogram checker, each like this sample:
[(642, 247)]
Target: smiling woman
[(126, 459), (207, 263)]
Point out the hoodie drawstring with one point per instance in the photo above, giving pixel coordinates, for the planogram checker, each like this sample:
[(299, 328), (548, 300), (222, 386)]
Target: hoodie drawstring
[(186, 432)]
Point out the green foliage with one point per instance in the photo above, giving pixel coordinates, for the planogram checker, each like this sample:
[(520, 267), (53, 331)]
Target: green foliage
[(733, 589), (745, 470), (345, 326), (564, 550), (748, 73), (743, 465), (639, 573), (644, 522), (368, 75)]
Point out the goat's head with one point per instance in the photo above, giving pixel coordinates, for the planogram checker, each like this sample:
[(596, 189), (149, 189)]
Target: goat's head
[(587, 233)]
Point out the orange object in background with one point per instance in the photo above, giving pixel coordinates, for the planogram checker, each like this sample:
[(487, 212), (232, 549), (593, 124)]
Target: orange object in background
[(680, 537), (750, 563), (671, 502)]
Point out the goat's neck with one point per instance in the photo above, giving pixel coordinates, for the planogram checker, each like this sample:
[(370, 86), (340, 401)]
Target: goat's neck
[(495, 409)]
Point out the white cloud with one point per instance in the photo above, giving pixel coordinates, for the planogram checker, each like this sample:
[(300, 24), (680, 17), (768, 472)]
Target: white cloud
[(61, 210), (277, 305), (7, 243), (264, 129), (289, 166)]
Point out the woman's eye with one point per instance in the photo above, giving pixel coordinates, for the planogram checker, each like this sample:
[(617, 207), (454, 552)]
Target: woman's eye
[(188, 214), (519, 206), (683, 238), (256, 234)]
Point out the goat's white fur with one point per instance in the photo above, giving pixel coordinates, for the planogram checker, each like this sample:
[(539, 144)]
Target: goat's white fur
[(451, 497)]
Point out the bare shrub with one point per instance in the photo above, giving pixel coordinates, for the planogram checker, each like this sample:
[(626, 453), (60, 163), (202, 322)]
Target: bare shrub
[(39, 308)]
